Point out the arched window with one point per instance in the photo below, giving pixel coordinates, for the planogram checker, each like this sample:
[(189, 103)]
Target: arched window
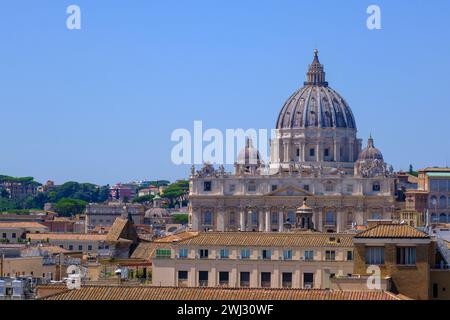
[(442, 202), (376, 187), (207, 218), (433, 201), (443, 218), (434, 218)]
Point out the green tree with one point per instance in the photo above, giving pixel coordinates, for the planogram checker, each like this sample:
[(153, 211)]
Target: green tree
[(147, 198), (182, 218), (69, 207)]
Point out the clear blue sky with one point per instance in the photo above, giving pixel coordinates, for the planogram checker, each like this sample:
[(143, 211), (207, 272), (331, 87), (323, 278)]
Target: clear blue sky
[(99, 104)]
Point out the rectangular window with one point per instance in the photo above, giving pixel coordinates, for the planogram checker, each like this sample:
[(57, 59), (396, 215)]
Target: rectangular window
[(374, 255), (224, 278), (287, 254), (13, 235), (232, 218), (274, 218), (254, 218), (306, 187), (266, 279), (274, 187), (350, 188), (163, 253), (251, 187), (203, 253), (326, 152), (245, 254), (70, 247), (286, 279), (183, 253), (349, 255), (80, 248), (266, 254), (309, 255), (4, 235), (330, 255), (244, 279), (406, 256), (182, 278), (224, 254), (182, 275), (308, 280), (232, 187), (207, 186), (298, 152), (311, 152), (90, 247), (203, 278)]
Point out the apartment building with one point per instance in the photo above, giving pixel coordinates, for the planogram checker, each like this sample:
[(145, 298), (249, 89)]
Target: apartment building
[(16, 232), (252, 260)]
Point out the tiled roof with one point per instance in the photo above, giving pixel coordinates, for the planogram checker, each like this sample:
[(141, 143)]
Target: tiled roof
[(66, 236), (177, 237), (174, 293), (146, 250), (116, 229), (263, 239), (25, 225), (392, 231)]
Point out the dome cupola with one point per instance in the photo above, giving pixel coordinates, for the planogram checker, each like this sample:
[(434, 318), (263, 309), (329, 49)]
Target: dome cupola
[(370, 152), (315, 104)]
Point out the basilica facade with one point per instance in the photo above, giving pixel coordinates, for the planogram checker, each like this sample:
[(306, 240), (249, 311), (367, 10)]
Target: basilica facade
[(316, 159)]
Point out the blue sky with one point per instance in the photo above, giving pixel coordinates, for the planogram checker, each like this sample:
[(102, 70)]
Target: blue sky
[(99, 104)]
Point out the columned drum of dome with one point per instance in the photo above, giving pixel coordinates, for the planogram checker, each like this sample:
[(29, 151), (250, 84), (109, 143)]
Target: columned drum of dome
[(316, 125)]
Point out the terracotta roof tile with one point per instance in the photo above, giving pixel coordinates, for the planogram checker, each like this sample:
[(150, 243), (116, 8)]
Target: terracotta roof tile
[(66, 236), (25, 225), (392, 231), (261, 239), (174, 293)]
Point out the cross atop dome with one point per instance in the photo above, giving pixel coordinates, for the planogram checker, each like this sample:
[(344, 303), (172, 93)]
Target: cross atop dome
[(316, 75)]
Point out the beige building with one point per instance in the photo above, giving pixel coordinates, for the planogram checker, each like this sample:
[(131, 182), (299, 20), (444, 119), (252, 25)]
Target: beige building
[(315, 154), (401, 252), (104, 215), (86, 243), (15, 232), (252, 259)]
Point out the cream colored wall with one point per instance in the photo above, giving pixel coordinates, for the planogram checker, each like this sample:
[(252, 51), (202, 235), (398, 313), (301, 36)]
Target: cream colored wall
[(30, 266), (165, 271)]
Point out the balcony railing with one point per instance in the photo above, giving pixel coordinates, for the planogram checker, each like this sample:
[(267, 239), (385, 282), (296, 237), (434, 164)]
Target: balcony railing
[(244, 284), (287, 284), (203, 283), (265, 284), (224, 283)]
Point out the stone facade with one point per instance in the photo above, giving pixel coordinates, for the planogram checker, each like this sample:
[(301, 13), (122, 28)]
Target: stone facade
[(316, 154)]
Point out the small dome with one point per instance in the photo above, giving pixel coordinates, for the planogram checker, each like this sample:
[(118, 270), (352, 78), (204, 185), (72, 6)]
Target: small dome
[(249, 155), (315, 104), (156, 213), (370, 152)]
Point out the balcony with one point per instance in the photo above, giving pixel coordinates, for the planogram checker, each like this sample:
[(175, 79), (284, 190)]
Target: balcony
[(224, 283), (244, 284), (330, 223), (265, 284)]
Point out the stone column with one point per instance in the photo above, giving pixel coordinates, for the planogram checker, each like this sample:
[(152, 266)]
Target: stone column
[(261, 220), (339, 220), (268, 220), (320, 226), (336, 151), (242, 219), (195, 216), (318, 152), (303, 152), (221, 219), (280, 220)]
